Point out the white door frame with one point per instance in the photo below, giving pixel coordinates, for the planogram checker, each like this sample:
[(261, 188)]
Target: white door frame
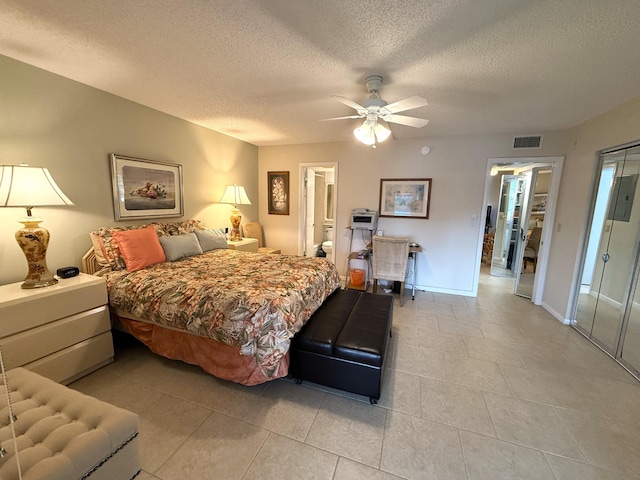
[(302, 227), (545, 241)]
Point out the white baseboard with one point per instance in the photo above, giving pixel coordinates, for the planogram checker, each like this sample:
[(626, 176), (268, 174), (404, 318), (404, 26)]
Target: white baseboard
[(556, 315), (464, 293)]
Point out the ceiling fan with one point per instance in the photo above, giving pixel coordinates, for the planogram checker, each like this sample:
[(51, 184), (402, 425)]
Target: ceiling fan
[(374, 109)]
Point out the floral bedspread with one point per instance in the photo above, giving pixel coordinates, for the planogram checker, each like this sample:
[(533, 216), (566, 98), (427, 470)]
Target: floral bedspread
[(254, 301)]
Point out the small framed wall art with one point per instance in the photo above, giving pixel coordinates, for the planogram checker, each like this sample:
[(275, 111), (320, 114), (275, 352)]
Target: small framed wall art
[(405, 197), (278, 191), (145, 188)]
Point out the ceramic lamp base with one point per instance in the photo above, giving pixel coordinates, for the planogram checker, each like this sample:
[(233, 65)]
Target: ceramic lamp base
[(34, 240), (235, 225)]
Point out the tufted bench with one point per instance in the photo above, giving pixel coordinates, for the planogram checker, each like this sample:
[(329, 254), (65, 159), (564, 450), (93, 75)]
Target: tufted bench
[(63, 434), (343, 345)]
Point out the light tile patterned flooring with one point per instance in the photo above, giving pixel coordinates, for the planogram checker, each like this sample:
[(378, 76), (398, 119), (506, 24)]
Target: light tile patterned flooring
[(476, 388)]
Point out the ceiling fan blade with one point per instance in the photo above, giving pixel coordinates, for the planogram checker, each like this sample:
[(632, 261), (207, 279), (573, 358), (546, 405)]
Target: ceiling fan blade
[(340, 118), (350, 103), (404, 120), (406, 104)]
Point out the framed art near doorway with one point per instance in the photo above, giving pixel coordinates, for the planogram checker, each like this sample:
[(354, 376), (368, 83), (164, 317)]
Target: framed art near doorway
[(278, 192)]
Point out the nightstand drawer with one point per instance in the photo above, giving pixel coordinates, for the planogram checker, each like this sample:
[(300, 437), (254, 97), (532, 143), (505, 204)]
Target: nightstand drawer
[(23, 310), (73, 362), (39, 342)]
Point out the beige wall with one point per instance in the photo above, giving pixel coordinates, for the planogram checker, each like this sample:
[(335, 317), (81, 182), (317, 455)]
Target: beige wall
[(450, 237), (70, 128), (458, 168), (616, 127)]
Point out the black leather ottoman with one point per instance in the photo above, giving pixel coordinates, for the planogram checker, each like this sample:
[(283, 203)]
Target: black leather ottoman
[(343, 344)]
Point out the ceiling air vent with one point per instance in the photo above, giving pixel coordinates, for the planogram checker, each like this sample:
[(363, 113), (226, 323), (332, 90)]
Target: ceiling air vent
[(528, 141)]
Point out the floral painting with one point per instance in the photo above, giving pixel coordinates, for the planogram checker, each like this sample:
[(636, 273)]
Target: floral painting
[(145, 188), (405, 197), (278, 191)]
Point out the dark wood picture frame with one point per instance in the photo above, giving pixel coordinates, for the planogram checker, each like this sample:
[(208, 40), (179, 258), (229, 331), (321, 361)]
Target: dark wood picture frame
[(278, 193), (405, 197)]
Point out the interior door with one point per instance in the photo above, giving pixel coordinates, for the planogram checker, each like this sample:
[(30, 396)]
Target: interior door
[(605, 303), (310, 188), (507, 237), (524, 282), (630, 348)]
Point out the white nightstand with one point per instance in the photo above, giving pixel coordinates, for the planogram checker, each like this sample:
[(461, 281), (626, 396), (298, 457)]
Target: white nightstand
[(246, 245), (61, 332)]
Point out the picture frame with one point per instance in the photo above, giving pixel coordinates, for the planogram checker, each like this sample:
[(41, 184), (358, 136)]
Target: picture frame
[(539, 203), (405, 197), (278, 193), (144, 189)]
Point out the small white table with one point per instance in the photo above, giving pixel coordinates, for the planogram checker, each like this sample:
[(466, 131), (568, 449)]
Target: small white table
[(413, 252), (245, 245)]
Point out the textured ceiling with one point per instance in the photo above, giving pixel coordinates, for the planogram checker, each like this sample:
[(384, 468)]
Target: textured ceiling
[(263, 71)]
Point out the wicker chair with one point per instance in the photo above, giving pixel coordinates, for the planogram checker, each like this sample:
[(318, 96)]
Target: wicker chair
[(487, 248), (389, 261), (254, 230), (531, 248)]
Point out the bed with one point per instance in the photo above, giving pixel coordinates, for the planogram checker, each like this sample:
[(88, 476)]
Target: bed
[(233, 313)]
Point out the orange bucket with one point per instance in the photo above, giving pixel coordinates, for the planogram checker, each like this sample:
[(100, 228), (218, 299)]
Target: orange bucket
[(357, 277)]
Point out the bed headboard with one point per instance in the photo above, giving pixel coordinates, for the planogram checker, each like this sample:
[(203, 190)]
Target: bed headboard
[(90, 263)]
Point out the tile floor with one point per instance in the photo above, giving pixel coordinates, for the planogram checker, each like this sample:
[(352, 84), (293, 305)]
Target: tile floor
[(476, 388)]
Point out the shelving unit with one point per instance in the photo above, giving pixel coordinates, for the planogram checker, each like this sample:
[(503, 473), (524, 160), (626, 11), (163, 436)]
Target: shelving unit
[(354, 256), (515, 226), (539, 207)]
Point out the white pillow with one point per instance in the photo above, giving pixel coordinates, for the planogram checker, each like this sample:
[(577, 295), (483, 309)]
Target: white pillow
[(180, 246), (211, 239)]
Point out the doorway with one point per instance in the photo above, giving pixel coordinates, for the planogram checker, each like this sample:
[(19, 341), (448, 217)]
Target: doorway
[(319, 187), (607, 307), (520, 194)]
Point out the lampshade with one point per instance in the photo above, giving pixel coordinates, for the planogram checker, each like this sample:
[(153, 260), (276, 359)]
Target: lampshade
[(24, 186), (235, 195), (371, 132)]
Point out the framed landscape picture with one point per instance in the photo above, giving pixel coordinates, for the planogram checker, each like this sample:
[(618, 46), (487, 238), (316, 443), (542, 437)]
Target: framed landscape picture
[(145, 188), (405, 197), (278, 192)]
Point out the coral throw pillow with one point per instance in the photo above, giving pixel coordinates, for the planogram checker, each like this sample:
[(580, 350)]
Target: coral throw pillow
[(139, 248)]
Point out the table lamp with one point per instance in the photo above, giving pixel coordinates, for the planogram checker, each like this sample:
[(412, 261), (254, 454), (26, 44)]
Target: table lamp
[(235, 195), (25, 186)]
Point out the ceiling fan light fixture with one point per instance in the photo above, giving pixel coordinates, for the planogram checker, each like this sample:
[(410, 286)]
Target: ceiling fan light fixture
[(382, 132), (364, 134), (371, 132), (375, 109)]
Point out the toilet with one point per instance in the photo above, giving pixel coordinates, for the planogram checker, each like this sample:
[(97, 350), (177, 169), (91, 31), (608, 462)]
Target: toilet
[(327, 245)]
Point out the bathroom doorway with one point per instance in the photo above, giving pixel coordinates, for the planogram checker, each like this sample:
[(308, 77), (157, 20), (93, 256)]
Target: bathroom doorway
[(319, 186)]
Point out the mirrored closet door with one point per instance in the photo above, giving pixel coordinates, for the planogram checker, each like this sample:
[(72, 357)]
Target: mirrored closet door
[(608, 304), (507, 242)]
